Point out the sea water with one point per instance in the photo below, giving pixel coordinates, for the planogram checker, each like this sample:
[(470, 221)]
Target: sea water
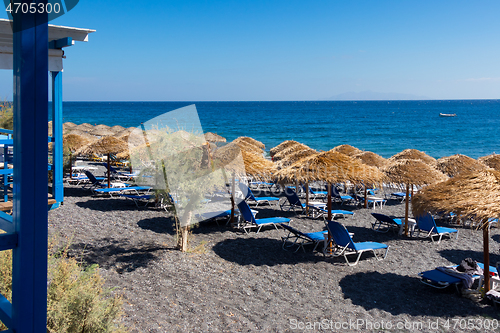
[(384, 127)]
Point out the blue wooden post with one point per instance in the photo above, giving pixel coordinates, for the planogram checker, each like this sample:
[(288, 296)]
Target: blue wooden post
[(29, 264), (57, 148)]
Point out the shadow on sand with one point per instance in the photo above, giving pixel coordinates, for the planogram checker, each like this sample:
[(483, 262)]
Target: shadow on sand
[(397, 294), (261, 251), (120, 255)]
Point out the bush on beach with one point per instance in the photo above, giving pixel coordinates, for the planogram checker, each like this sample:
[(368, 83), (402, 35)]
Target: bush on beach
[(76, 299)]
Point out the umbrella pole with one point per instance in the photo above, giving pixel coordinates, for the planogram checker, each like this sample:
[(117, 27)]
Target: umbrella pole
[(329, 208), (307, 198), (297, 186), (406, 208), (366, 197), (232, 199), (109, 176), (70, 166), (486, 256)]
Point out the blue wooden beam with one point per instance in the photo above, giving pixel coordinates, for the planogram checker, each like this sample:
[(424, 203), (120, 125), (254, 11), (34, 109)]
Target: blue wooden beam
[(5, 311), (60, 43), (29, 258), (57, 133), (8, 241)]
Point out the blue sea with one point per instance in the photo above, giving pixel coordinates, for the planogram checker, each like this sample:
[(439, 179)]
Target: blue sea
[(384, 127)]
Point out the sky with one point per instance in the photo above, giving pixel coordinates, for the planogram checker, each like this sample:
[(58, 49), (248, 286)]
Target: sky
[(280, 50)]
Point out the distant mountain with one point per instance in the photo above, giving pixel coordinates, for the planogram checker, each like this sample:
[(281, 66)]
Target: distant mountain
[(375, 96)]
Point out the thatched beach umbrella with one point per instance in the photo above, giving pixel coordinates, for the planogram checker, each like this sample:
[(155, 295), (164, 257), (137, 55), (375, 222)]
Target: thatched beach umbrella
[(250, 141), (332, 167), (116, 129), (289, 151), (247, 147), (411, 172), (106, 145), (73, 142), (413, 154), (456, 164), (475, 194), (82, 134), (493, 161), (371, 159), (212, 137), (84, 127), (347, 150), (282, 146), (295, 156), (69, 125), (101, 131)]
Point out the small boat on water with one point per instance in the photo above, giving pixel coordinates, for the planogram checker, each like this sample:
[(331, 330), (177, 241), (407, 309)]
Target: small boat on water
[(447, 114)]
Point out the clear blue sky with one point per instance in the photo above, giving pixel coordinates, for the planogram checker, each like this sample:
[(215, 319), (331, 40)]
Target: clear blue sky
[(280, 50)]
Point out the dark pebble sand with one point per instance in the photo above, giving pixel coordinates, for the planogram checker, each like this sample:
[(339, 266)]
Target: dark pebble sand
[(236, 282)]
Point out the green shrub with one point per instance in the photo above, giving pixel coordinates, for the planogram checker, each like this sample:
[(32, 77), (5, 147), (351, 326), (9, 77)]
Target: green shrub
[(6, 116), (76, 300)]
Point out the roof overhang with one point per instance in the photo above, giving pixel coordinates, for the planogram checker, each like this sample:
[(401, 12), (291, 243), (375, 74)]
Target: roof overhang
[(56, 33)]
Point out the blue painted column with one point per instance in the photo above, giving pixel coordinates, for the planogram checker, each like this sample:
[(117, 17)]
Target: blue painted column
[(29, 264), (57, 131)]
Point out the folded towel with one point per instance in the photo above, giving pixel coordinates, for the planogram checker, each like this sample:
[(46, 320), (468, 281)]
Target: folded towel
[(466, 278)]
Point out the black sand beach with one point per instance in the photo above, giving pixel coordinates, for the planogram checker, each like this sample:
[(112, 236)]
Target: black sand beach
[(245, 283)]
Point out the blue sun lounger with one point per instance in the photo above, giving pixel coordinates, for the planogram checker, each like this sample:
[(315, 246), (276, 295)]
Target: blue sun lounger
[(138, 198), (440, 280), (427, 225), (299, 238), (121, 190), (257, 200), (344, 245), (400, 196), (292, 201), (342, 198), (384, 223), (314, 193), (249, 221), (322, 212)]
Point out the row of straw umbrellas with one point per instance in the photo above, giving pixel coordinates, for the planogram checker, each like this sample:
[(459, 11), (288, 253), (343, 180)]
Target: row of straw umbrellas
[(460, 184), (465, 186)]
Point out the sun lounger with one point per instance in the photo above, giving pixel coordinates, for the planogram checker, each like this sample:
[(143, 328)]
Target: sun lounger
[(138, 198), (249, 221), (401, 196), (427, 225), (292, 201), (300, 239), (384, 223), (247, 192), (320, 211), (314, 193), (344, 245), (121, 190), (439, 279), (343, 198)]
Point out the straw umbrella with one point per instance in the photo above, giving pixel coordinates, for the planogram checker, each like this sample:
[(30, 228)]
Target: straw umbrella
[(281, 146), (295, 156), (251, 141), (212, 137), (372, 159), (413, 154), (289, 151), (101, 131), (84, 127), (116, 129), (245, 146), (456, 164), (493, 161), (332, 167), (475, 194), (107, 145), (411, 172), (347, 150), (82, 134), (73, 142)]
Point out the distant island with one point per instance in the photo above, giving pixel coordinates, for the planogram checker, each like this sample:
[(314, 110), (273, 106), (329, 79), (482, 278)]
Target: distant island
[(375, 96)]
